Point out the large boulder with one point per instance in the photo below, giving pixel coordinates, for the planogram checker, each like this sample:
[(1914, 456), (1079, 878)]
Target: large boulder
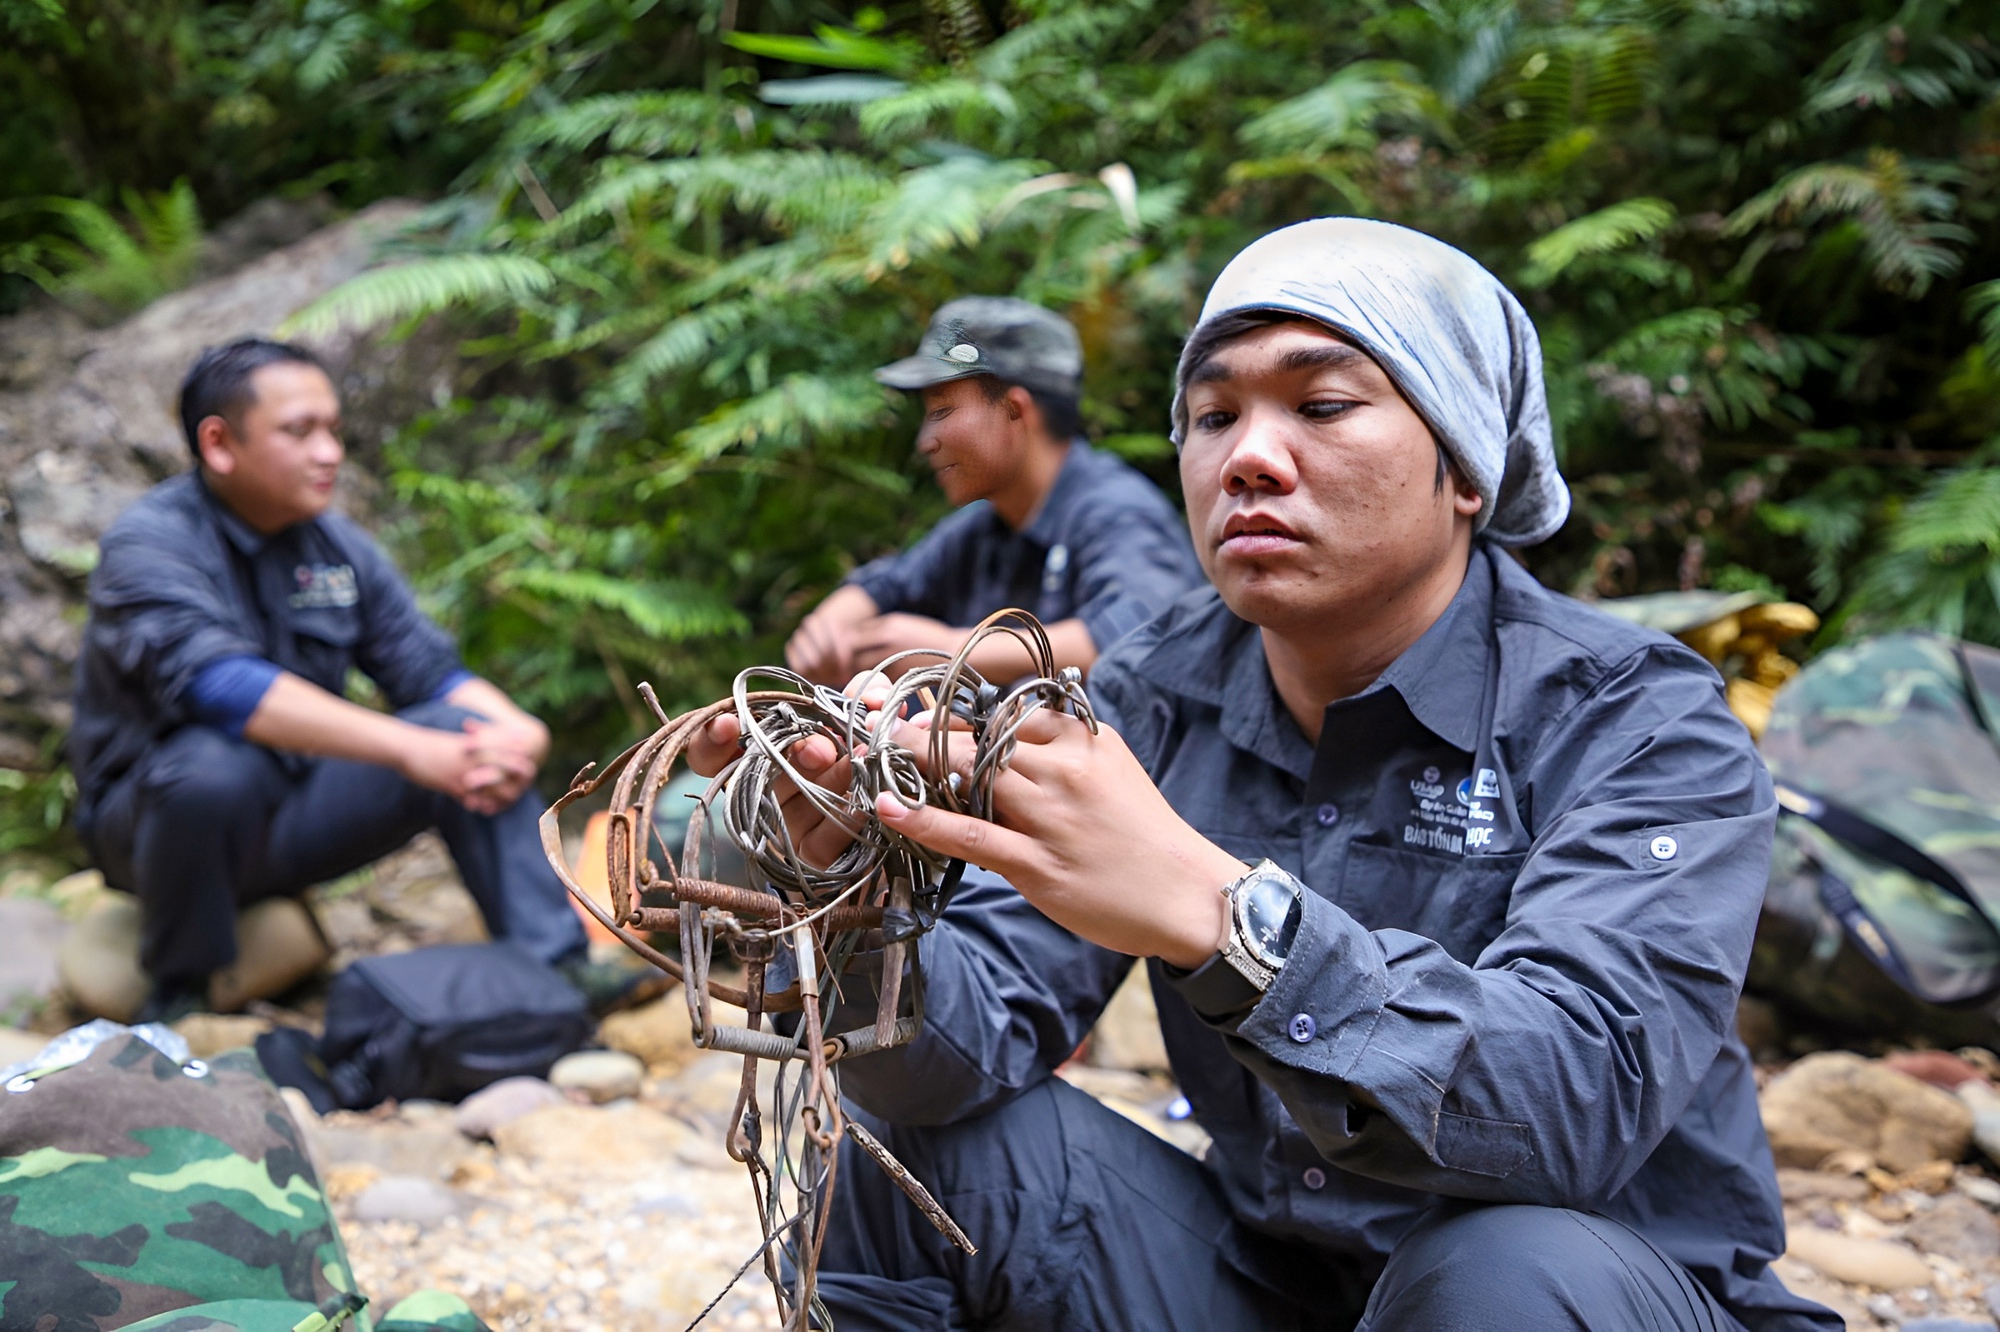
[(1836, 1102), (87, 424)]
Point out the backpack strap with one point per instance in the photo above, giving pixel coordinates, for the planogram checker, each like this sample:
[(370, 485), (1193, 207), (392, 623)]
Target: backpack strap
[(1871, 838), (1837, 895)]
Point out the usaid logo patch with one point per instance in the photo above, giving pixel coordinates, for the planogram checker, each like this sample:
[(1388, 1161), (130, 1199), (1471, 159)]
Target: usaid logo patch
[(324, 586)]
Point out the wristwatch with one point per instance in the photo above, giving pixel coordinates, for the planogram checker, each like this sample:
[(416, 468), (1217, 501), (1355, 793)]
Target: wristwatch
[(1264, 910), (1265, 907)]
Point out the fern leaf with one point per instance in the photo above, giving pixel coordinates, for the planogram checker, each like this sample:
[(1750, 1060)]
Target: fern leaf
[(1983, 303), (1603, 232), (909, 113), (672, 612), (939, 208), (1345, 105), (422, 286), (787, 416), (681, 345)]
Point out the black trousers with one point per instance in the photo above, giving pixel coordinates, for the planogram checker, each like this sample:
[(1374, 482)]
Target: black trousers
[(207, 824), (1086, 1221)]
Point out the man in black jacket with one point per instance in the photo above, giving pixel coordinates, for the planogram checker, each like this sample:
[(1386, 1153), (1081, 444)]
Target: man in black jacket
[(1446, 886), (218, 760), (1045, 522)]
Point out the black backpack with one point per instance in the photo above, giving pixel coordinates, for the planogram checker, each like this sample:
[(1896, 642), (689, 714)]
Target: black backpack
[(433, 1023)]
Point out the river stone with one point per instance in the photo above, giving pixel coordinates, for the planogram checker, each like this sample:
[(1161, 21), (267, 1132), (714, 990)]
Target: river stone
[(602, 1075), (485, 1111), (34, 931), (585, 1138), (1940, 1068), (1799, 1186), (1949, 1325), (1864, 1262), (16, 1045), (412, 1198), (1127, 1036), (209, 1034), (1837, 1101), (1958, 1228), (656, 1034)]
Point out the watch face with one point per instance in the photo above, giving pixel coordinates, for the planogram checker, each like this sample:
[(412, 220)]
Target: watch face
[(1267, 914)]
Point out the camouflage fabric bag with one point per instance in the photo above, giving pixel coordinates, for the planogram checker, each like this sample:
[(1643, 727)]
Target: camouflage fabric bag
[(141, 1190), (1885, 885)]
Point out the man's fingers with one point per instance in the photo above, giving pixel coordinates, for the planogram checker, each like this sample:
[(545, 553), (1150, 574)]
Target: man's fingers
[(813, 756), (987, 845), (715, 745)]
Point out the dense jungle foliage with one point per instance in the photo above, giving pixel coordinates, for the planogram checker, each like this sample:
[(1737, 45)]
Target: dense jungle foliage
[(1759, 238)]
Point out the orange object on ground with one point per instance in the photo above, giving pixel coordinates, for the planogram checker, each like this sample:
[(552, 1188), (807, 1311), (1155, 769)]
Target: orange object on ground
[(593, 876)]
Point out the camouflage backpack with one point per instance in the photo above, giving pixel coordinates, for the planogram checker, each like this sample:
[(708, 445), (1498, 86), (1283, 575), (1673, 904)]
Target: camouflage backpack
[(1884, 893), (142, 1189)]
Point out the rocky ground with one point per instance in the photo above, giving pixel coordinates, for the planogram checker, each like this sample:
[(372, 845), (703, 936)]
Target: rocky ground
[(606, 1202), (603, 1198)]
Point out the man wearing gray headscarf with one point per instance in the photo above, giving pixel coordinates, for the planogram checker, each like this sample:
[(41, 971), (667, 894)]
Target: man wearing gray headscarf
[(1446, 886)]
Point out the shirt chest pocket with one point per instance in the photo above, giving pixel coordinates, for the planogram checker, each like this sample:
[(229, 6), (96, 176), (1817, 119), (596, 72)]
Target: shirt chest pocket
[(1461, 903)]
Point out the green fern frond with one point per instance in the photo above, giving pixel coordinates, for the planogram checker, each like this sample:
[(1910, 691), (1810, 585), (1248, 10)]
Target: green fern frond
[(789, 415), (422, 286), (1958, 514), (644, 123), (1069, 32), (1899, 206), (1983, 304), (1603, 232), (1675, 339), (786, 187), (678, 347), (1939, 566), (670, 612), (108, 267), (909, 113), (938, 208), (1345, 105), (327, 63)]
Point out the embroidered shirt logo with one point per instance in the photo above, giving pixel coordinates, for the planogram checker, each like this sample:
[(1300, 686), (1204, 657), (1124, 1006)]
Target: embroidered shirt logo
[(324, 586)]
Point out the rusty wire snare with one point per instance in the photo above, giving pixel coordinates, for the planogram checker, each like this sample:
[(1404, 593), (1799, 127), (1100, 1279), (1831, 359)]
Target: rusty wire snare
[(810, 925)]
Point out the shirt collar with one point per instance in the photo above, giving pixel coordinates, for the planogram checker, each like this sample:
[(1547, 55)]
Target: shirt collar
[(244, 537), (1442, 676), (1206, 653)]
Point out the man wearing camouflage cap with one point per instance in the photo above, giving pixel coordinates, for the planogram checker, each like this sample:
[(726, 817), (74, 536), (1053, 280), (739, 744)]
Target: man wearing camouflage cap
[(1044, 521)]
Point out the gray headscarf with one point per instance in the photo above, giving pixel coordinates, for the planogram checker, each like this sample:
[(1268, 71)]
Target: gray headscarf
[(1456, 343)]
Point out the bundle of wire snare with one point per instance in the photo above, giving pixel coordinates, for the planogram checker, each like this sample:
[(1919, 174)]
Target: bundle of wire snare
[(798, 929)]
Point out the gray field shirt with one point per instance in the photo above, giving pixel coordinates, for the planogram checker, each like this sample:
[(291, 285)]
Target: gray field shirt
[(183, 583), (1106, 547), (1535, 850)]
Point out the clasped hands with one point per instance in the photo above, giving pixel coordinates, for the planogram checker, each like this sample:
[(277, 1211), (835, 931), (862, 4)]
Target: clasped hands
[(1080, 831), (486, 767)]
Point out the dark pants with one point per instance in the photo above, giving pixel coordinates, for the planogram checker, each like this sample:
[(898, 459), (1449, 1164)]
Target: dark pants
[(206, 824), (1086, 1221)]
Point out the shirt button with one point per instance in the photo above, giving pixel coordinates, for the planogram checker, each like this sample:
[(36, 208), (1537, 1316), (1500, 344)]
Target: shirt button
[(1314, 1178), (1303, 1027), (1328, 815), (1665, 848)]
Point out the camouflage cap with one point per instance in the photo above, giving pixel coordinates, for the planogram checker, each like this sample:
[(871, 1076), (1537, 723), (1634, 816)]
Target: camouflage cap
[(1015, 341)]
